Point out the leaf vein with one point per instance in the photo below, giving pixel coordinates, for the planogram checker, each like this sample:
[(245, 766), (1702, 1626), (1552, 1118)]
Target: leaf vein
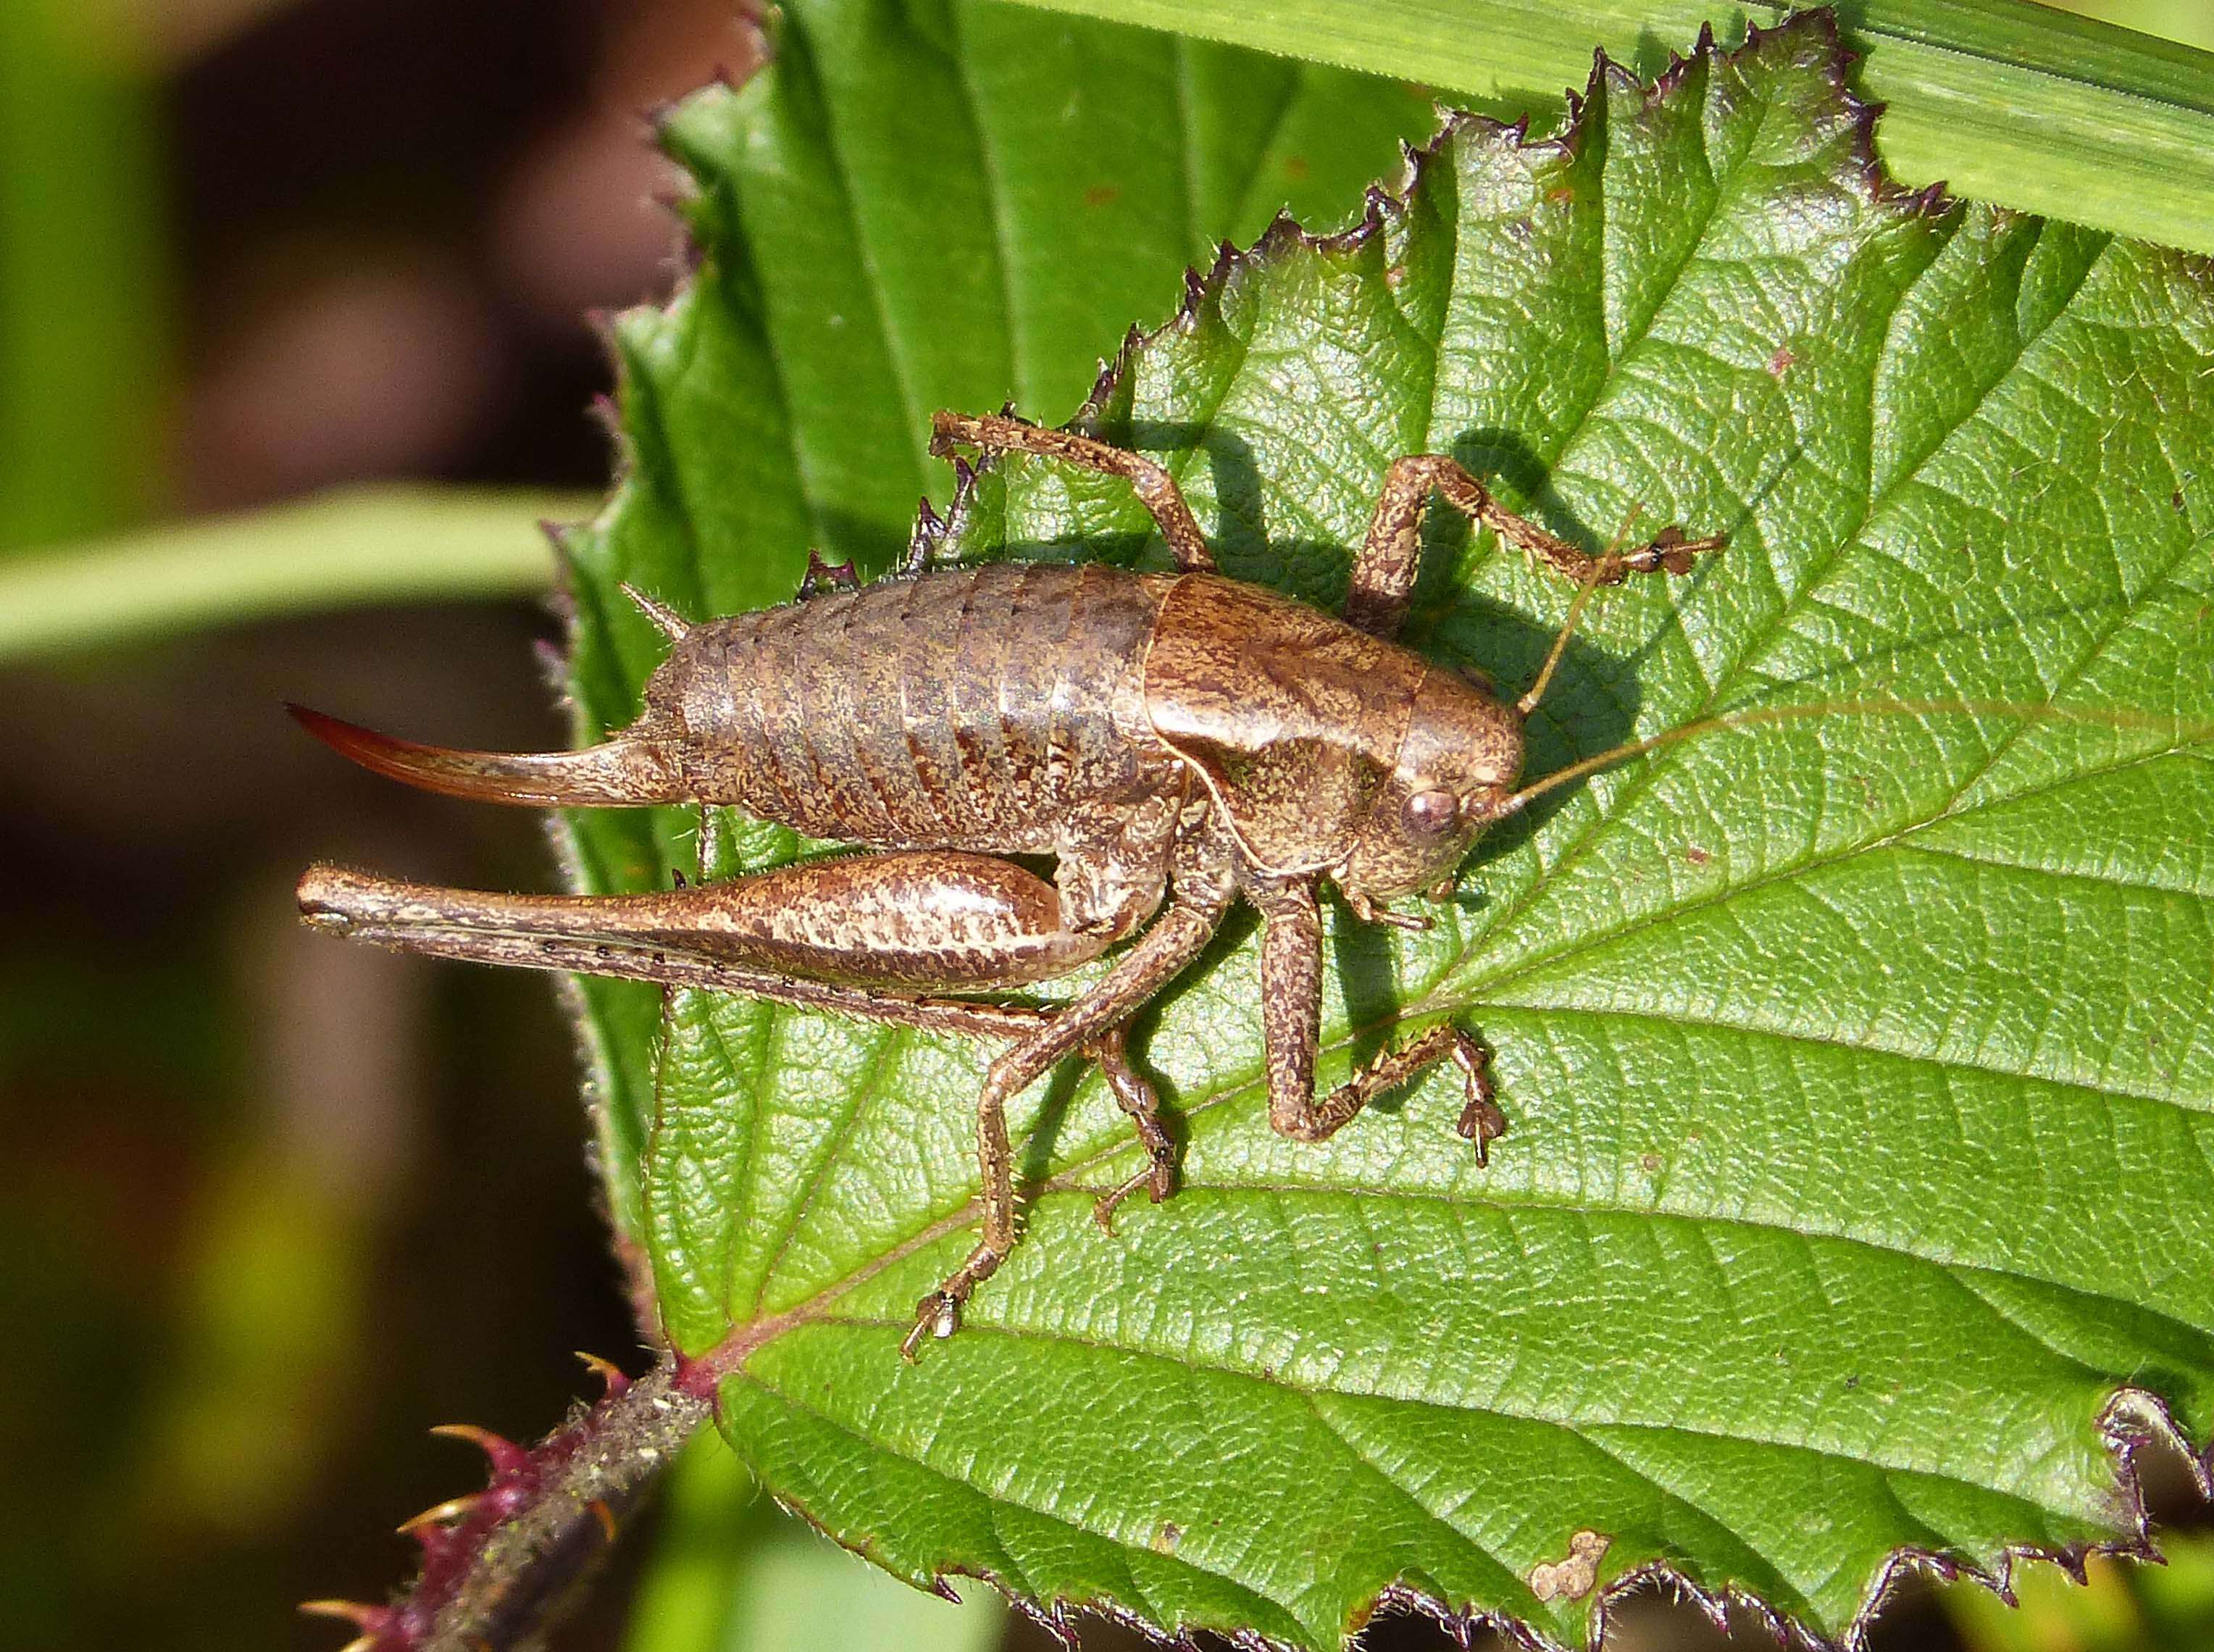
[(994, 1497)]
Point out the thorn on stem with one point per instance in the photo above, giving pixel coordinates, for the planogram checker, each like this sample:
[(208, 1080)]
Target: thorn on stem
[(506, 1456), (424, 1525), (360, 1614), (609, 1374)]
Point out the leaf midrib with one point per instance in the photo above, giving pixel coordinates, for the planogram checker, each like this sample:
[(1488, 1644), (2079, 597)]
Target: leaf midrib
[(1033, 1335)]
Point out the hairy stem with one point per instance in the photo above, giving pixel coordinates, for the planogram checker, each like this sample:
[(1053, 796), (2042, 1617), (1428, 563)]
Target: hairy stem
[(499, 1564)]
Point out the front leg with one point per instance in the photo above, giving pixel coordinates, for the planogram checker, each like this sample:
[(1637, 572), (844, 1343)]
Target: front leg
[(1156, 489), (1384, 575), (1291, 1018)]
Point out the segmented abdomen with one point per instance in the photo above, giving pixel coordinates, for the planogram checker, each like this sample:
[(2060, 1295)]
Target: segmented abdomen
[(972, 708)]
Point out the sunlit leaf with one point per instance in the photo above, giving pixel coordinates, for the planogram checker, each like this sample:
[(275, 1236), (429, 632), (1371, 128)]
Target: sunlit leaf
[(1858, 1069)]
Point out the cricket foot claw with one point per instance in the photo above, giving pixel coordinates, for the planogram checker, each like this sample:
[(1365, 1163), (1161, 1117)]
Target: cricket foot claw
[(939, 1316), (1480, 1120), (1159, 1178), (1483, 1123)]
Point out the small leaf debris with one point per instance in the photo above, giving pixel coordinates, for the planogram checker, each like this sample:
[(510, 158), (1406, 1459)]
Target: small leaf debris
[(1571, 1579)]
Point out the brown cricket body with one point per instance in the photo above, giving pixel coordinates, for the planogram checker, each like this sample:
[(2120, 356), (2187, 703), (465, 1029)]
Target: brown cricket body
[(1174, 741)]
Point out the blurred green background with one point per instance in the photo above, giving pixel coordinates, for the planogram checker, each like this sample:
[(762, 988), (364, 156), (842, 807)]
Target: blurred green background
[(269, 1205)]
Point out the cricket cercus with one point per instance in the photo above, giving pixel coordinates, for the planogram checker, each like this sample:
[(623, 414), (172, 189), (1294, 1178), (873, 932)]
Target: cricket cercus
[(1176, 740)]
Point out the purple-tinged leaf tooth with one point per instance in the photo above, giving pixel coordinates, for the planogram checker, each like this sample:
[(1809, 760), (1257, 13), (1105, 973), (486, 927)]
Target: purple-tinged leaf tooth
[(554, 667), (506, 1457), (1052, 1620), (603, 411)]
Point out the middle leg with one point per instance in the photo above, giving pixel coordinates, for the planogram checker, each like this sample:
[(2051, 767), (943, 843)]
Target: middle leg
[(1174, 939)]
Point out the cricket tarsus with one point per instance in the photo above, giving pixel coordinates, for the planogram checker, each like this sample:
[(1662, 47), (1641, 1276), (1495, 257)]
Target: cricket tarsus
[(1142, 1107), (1176, 742)]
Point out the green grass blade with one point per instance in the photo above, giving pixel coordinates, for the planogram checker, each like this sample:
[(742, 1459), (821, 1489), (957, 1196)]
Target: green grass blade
[(374, 544), (83, 279), (2003, 100)]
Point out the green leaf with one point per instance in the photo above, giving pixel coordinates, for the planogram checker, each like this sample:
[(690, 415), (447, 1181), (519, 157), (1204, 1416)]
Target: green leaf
[(1856, 1200), (2020, 104), (732, 1575)]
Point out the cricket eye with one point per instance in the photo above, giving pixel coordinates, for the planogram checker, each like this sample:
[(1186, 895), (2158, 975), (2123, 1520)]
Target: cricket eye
[(1429, 813)]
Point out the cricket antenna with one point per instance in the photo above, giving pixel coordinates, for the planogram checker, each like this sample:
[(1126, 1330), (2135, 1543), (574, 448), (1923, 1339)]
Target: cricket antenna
[(1759, 716), (633, 767), (1671, 550)]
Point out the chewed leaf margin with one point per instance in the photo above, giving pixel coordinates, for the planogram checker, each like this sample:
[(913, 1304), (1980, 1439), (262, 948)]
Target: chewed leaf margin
[(2135, 1421), (1384, 204)]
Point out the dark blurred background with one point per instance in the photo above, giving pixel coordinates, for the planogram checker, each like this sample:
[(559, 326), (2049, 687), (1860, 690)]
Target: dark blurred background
[(269, 1205)]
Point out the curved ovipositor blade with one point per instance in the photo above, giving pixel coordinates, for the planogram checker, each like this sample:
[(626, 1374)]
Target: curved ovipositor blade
[(631, 768)]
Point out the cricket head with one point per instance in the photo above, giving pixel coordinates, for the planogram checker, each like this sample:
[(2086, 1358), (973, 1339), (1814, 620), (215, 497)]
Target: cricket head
[(1454, 774)]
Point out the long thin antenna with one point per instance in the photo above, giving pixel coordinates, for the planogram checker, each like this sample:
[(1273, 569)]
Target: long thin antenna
[(1671, 551), (1591, 581), (2186, 735)]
